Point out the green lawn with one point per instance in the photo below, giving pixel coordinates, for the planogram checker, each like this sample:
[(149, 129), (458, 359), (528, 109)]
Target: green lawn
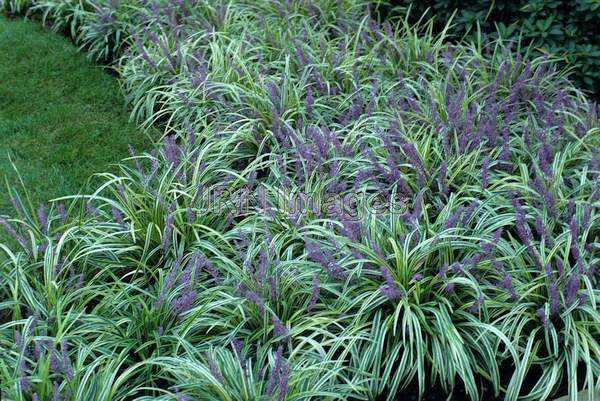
[(62, 118)]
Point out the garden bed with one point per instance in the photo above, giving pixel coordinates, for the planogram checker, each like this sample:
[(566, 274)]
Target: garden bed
[(341, 208)]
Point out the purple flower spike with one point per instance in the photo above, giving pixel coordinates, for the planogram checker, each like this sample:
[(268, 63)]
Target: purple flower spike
[(13, 233), (55, 366), (283, 383), (572, 288), (279, 330), (190, 215), (172, 152), (541, 314), (309, 105), (168, 232), (442, 177), (390, 290), (55, 391), (42, 218), (485, 172), (23, 379), (477, 305), (275, 372), (185, 302), (256, 299), (443, 271), (238, 346), (118, 216), (214, 369), (417, 277), (141, 49), (66, 362), (415, 160), (18, 340)]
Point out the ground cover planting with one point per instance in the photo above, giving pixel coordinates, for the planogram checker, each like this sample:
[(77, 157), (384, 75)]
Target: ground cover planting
[(341, 208)]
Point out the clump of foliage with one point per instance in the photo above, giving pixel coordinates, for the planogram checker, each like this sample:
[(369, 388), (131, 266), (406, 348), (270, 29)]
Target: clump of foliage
[(340, 209), (568, 29)]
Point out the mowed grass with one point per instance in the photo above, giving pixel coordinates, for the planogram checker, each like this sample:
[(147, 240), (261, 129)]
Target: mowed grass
[(62, 118)]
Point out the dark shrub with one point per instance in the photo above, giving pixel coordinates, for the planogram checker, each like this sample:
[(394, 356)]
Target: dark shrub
[(568, 28)]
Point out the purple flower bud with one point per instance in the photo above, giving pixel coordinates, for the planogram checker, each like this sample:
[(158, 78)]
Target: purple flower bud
[(54, 362), (273, 94), (283, 383), (238, 347), (541, 314), (415, 160), (172, 152), (452, 220), (545, 157), (256, 299), (449, 288), (23, 380), (554, 300), (168, 232), (546, 195), (390, 289), (279, 330), (55, 392), (18, 340), (190, 215), (309, 105), (470, 210), (66, 362), (416, 214), (214, 369), (417, 277), (476, 305), (185, 302), (443, 271), (275, 372), (210, 268), (570, 207), (169, 282), (314, 295), (521, 222), (574, 234), (507, 285), (485, 172), (11, 231), (118, 216), (37, 350), (442, 177), (142, 51), (300, 56), (325, 260), (560, 267), (572, 288)]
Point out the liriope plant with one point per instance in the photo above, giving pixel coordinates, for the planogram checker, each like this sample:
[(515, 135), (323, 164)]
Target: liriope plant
[(486, 259)]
